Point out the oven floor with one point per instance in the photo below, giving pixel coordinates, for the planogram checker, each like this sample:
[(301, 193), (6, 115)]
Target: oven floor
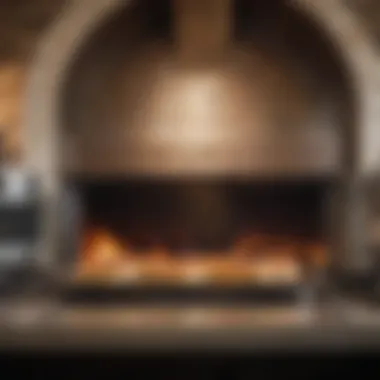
[(340, 325)]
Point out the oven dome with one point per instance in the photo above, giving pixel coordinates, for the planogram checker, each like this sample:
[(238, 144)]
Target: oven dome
[(273, 103)]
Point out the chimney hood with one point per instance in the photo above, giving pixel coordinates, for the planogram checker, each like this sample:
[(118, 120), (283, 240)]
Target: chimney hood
[(191, 87), (202, 29)]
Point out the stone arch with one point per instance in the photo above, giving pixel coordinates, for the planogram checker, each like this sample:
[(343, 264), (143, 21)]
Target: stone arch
[(82, 18)]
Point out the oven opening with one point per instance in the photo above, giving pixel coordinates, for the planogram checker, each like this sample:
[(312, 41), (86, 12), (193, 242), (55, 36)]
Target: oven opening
[(187, 233)]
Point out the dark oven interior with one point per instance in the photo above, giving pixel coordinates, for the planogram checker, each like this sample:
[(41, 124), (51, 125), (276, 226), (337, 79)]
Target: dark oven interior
[(201, 232)]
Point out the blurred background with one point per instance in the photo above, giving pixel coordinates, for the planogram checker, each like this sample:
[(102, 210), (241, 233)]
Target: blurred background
[(226, 218)]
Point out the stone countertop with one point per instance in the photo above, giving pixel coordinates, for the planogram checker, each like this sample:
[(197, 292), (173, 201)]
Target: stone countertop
[(348, 326)]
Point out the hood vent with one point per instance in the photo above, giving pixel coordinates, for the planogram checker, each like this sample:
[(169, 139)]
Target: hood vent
[(202, 29)]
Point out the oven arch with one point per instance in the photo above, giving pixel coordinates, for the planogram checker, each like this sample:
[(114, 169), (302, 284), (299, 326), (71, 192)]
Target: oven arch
[(81, 18)]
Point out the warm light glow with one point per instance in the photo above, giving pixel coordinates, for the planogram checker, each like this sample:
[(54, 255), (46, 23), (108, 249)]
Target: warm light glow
[(187, 110), (103, 248), (252, 258), (199, 95)]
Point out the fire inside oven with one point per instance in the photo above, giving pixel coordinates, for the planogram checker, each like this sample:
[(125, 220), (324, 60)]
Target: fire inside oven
[(201, 232)]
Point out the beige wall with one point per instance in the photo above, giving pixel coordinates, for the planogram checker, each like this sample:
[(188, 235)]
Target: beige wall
[(12, 80)]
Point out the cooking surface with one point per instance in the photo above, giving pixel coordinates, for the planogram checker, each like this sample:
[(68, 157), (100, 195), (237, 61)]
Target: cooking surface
[(342, 325), (193, 271)]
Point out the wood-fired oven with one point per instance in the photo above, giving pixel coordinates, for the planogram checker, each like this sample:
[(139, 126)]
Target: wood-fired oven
[(204, 145)]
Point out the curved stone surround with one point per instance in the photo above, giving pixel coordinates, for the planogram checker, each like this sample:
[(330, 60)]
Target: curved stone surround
[(83, 17), (358, 50), (79, 19)]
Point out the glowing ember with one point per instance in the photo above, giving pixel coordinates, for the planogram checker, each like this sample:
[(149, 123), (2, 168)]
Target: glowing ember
[(104, 249), (252, 258), (195, 273)]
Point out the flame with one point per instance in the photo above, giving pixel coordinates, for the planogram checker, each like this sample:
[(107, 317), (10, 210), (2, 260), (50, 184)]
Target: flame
[(103, 248), (251, 252)]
